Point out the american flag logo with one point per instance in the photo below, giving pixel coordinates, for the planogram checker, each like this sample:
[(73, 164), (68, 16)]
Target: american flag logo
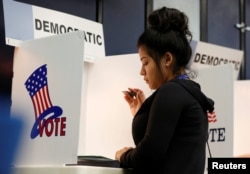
[(211, 117), (37, 86)]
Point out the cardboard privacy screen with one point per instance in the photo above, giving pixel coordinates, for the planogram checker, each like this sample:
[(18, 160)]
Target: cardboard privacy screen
[(47, 88)]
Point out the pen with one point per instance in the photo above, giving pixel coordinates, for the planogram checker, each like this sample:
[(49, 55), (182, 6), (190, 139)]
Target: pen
[(131, 93)]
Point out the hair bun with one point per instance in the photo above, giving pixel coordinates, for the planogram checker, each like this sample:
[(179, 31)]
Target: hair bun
[(165, 19)]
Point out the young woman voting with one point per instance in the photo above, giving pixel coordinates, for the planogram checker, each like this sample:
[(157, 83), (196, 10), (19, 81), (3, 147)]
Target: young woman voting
[(170, 127)]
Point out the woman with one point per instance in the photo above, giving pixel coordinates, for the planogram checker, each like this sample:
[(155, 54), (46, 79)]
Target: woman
[(170, 127)]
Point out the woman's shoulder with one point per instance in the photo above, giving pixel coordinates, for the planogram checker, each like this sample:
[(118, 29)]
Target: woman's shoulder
[(183, 83), (175, 84), (170, 90), (178, 87)]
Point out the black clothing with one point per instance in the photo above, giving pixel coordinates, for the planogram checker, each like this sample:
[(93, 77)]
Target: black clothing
[(170, 131)]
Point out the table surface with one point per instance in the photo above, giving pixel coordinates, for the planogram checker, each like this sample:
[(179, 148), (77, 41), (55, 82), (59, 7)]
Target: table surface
[(68, 170)]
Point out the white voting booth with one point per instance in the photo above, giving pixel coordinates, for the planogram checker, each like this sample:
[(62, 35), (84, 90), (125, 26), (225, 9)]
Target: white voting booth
[(47, 87), (48, 91), (242, 119)]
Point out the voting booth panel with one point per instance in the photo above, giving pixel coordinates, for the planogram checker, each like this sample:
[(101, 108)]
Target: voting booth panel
[(241, 118), (108, 119), (218, 83), (47, 87)]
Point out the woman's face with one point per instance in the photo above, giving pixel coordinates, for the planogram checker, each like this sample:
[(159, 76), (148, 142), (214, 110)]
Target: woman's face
[(149, 69)]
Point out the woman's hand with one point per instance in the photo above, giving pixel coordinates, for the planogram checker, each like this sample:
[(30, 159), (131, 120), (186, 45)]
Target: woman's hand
[(119, 153), (136, 101)]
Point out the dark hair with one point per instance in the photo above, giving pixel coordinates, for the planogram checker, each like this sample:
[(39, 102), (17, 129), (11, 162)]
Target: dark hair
[(168, 32)]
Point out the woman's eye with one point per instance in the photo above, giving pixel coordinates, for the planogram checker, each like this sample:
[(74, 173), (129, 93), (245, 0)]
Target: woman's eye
[(145, 63)]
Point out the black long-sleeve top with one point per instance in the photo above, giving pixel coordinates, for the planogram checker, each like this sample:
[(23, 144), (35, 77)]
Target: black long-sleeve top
[(170, 132)]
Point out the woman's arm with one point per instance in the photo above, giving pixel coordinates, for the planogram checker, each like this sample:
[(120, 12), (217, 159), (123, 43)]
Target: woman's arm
[(163, 118)]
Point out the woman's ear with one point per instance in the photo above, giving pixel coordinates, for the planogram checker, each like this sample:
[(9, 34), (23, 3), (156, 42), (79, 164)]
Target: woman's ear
[(168, 59)]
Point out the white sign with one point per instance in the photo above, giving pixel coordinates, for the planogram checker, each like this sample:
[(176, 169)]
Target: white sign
[(47, 87), (206, 54), (27, 22)]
